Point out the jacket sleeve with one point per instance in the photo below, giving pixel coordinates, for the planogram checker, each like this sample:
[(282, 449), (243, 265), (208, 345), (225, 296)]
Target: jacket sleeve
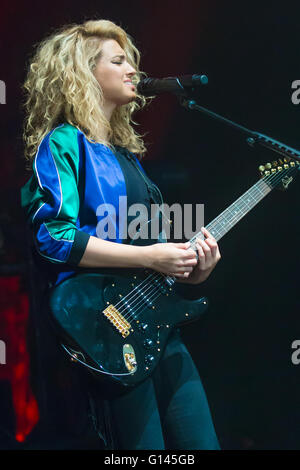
[(51, 198)]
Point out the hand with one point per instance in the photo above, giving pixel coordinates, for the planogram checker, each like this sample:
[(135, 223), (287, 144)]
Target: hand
[(209, 255), (173, 259)]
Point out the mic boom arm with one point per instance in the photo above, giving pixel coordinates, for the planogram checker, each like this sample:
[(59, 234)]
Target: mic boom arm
[(274, 145), (254, 138)]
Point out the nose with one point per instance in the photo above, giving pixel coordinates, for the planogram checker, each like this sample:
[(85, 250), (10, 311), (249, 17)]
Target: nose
[(131, 71)]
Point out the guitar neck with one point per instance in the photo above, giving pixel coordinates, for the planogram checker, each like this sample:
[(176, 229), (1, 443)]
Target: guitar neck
[(236, 211)]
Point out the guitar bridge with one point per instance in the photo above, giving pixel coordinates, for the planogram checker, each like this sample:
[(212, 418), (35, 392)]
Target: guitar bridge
[(117, 319)]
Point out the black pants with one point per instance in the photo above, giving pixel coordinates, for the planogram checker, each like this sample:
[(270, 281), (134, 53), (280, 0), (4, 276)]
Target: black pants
[(167, 411)]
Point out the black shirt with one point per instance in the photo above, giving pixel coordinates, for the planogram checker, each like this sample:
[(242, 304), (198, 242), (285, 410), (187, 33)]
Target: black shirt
[(139, 187)]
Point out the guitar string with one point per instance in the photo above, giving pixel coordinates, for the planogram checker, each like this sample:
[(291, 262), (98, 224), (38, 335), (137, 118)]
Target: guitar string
[(154, 277), (269, 178), (234, 218), (230, 218)]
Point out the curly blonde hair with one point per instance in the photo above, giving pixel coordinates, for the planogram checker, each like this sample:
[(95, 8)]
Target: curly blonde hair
[(60, 87)]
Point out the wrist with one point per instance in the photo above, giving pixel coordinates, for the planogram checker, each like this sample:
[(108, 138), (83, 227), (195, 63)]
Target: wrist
[(146, 256)]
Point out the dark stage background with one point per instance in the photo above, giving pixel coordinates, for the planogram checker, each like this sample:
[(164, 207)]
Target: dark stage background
[(242, 346)]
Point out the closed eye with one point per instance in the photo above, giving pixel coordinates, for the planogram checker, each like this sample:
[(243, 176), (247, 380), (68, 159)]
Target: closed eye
[(120, 58)]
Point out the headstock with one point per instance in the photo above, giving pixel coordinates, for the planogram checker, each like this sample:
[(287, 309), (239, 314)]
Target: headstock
[(279, 173)]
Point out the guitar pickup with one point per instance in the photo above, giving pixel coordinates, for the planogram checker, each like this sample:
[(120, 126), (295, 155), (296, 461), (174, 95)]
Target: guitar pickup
[(117, 319)]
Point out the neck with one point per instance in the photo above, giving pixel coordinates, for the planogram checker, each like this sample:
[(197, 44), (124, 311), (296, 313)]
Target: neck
[(108, 109)]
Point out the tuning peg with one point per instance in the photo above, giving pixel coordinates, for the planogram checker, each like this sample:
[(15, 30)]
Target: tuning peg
[(261, 168), (275, 164), (268, 166)]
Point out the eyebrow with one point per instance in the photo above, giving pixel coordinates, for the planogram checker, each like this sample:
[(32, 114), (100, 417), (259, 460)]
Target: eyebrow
[(122, 56)]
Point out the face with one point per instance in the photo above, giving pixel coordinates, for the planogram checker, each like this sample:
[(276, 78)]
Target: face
[(114, 74)]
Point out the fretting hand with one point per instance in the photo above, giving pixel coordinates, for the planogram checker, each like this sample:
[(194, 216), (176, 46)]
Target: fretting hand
[(209, 255)]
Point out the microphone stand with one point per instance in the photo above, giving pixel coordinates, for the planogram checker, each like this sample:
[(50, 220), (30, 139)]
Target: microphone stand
[(252, 138)]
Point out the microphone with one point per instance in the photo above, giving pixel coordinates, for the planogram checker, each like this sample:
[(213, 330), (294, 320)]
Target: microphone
[(180, 85)]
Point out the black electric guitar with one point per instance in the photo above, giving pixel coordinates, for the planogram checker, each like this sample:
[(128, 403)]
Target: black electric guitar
[(118, 324)]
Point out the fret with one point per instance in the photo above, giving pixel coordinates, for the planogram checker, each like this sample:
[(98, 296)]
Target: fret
[(236, 211)]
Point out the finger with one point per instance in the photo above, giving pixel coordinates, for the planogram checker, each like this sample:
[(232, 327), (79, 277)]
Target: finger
[(206, 233), (183, 246), (184, 269), (188, 258), (182, 276), (183, 263), (190, 262), (206, 248), (213, 246), (202, 258), (190, 254), (177, 275)]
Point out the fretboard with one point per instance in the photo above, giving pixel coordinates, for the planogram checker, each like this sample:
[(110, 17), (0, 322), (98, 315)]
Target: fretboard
[(236, 211)]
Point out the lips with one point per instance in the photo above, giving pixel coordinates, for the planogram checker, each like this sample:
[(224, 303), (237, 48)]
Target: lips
[(128, 82)]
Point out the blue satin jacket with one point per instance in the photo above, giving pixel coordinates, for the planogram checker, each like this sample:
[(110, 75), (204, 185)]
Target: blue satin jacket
[(71, 178)]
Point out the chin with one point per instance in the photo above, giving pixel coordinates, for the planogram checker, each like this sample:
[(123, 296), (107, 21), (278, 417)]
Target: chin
[(129, 99)]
